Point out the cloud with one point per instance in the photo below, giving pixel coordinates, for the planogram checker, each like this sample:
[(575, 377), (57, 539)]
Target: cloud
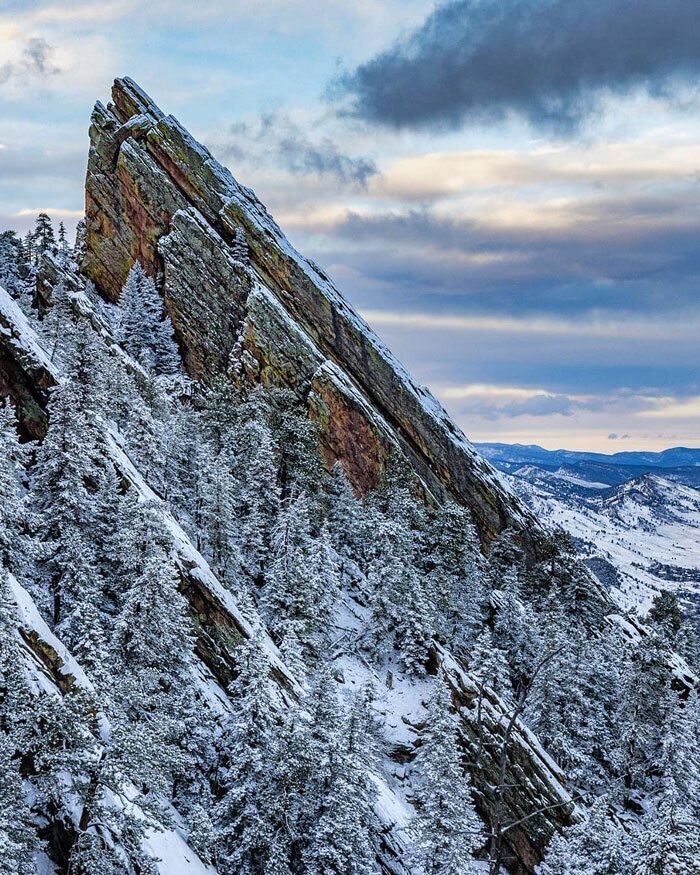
[(548, 61), (35, 62), (492, 401), (279, 139), (621, 165), (676, 409), (563, 254), (623, 328), (613, 436)]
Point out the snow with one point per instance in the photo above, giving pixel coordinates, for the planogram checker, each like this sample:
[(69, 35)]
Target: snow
[(635, 632), (643, 524), (174, 855), (192, 561), (21, 334), (31, 620)]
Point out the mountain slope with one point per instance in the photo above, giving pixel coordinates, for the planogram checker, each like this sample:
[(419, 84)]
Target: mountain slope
[(221, 629), (640, 537)]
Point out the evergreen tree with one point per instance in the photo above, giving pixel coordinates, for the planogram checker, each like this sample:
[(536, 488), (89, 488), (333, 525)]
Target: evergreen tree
[(15, 705), (151, 655), (593, 847), (668, 842), (145, 331), (339, 841), (9, 264), (558, 703), (344, 516), (44, 236), (246, 812), (445, 828), (515, 628), (218, 515), (19, 842), (301, 583), (452, 558), (73, 483), (64, 251), (400, 612), (17, 547), (258, 494), (80, 241), (666, 614)]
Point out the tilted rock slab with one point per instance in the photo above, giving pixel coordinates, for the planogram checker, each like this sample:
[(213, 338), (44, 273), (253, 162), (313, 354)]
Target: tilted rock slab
[(155, 195)]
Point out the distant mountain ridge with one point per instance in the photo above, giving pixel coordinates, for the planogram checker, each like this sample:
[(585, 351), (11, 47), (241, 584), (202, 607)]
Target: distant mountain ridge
[(674, 457), (680, 464)]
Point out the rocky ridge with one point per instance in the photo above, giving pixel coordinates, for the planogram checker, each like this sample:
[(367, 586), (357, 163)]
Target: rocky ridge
[(155, 195)]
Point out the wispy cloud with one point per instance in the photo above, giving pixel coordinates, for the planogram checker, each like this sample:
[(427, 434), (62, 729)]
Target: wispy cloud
[(278, 139), (35, 61), (676, 409), (631, 329)]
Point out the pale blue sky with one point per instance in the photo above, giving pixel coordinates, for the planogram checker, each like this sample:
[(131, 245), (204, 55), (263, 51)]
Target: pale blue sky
[(518, 218)]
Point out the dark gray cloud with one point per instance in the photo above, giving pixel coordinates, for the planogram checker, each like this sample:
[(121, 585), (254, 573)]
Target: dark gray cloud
[(279, 139), (548, 61), (35, 62)]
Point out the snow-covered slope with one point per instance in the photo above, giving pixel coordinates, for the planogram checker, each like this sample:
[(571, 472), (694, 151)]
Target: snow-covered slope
[(639, 538)]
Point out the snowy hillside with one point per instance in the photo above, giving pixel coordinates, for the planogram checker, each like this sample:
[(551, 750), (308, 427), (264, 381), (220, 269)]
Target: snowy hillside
[(640, 537)]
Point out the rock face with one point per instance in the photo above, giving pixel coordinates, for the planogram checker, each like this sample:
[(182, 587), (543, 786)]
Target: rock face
[(155, 195)]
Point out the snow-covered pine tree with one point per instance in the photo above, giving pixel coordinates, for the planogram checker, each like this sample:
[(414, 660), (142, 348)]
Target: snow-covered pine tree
[(301, 584), (668, 841), (19, 842), (15, 706), (344, 516), (17, 547), (80, 241), (248, 809), (340, 837), (145, 331), (556, 706), (515, 627), (401, 615), (218, 513), (489, 668), (151, 656), (451, 560), (64, 250), (9, 266), (259, 495), (74, 484), (187, 453), (593, 847), (44, 236), (446, 829)]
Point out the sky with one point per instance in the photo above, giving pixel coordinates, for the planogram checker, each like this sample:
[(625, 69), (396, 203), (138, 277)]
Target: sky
[(507, 190)]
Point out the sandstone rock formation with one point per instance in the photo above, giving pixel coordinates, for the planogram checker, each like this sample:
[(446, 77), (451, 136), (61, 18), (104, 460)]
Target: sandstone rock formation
[(155, 195)]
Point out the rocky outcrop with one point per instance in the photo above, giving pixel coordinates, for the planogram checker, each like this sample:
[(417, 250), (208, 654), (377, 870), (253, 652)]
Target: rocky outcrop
[(25, 372), (155, 195)]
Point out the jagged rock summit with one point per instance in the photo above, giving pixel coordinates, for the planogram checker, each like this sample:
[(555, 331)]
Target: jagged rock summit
[(155, 195)]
